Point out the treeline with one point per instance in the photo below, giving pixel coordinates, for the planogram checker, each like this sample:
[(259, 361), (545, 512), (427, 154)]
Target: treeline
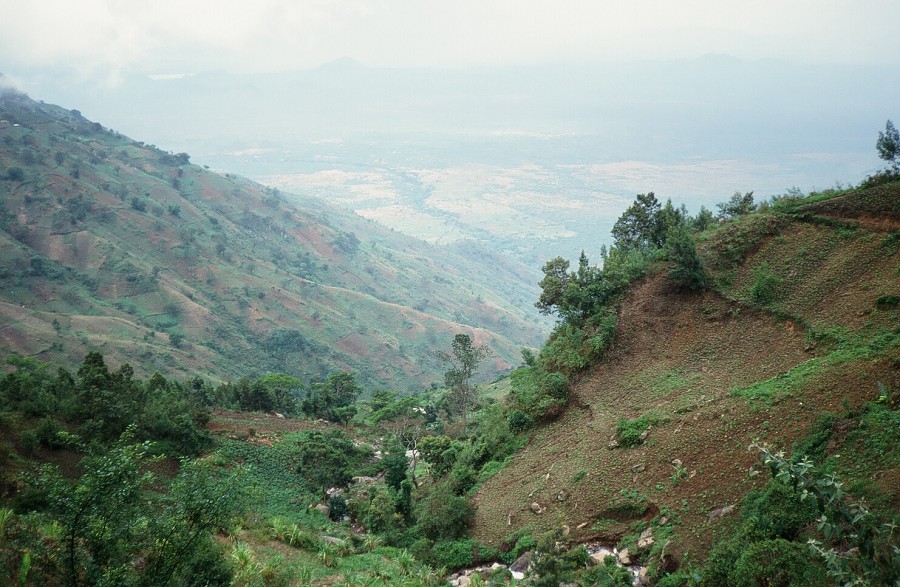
[(96, 405)]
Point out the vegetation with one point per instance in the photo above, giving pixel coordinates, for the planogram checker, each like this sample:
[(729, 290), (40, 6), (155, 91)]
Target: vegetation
[(694, 337)]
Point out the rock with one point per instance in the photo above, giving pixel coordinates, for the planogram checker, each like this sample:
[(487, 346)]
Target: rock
[(612, 444), (536, 508), (365, 480), (463, 581), (646, 539), (582, 525), (563, 495), (598, 557), (638, 468), (323, 509), (719, 512), (663, 520), (752, 472), (334, 540), (624, 558), (645, 434), (642, 578), (277, 415), (334, 491), (517, 576), (676, 462), (496, 566), (521, 565), (566, 530)]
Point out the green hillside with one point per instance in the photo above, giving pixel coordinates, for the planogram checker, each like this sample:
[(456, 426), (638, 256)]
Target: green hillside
[(109, 244)]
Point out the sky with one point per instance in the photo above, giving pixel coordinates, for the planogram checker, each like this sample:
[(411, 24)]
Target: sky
[(104, 39)]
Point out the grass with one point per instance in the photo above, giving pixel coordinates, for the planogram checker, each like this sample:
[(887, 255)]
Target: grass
[(847, 347)]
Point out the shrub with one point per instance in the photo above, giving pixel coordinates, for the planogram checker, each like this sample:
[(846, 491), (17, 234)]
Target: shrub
[(687, 268), (453, 554), (629, 431), (15, 174), (442, 515), (765, 285), (775, 562)]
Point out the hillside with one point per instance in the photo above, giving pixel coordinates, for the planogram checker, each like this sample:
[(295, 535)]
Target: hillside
[(109, 244), (801, 325)]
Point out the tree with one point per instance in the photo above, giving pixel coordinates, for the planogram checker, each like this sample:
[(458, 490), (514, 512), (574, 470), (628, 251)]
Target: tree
[(687, 267), (15, 174), (463, 359), (738, 205), (638, 226), (333, 399), (888, 145)]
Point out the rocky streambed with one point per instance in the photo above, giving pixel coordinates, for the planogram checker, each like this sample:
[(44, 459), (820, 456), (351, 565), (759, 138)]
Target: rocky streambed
[(597, 553)]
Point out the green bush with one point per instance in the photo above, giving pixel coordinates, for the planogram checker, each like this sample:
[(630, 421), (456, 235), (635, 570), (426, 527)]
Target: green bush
[(778, 563), (765, 288), (441, 514), (453, 554), (629, 431), (536, 394), (607, 574)]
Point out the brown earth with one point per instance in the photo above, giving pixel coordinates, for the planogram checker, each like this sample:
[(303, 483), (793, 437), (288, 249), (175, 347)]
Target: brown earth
[(681, 357)]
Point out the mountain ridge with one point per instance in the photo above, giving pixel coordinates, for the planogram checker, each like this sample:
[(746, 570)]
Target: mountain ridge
[(229, 264)]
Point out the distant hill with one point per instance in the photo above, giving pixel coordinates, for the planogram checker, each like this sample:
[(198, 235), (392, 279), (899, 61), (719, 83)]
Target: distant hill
[(110, 244)]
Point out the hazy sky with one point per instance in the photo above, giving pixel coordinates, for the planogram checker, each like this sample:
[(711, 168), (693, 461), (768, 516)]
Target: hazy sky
[(102, 38)]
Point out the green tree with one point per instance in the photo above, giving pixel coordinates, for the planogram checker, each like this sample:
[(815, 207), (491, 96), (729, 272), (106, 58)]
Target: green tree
[(463, 361), (687, 267), (738, 205), (333, 399), (15, 174), (638, 227), (888, 145)]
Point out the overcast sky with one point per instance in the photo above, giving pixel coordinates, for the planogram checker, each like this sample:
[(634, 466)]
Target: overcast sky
[(103, 38)]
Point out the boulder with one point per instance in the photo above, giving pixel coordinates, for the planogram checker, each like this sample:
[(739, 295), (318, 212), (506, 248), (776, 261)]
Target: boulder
[(536, 508), (612, 444), (624, 558), (522, 563), (646, 539), (334, 540), (598, 558), (563, 495), (638, 468), (719, 512), (323, 509)]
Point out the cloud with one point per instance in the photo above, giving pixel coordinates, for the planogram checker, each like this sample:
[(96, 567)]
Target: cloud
[(105, 37)]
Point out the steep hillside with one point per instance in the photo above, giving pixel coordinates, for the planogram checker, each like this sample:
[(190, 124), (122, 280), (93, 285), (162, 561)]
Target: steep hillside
[(114, 245), (803, 321)]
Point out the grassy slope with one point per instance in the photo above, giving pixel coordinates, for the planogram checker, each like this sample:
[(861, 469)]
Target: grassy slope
[(93, 257), (720, 372)]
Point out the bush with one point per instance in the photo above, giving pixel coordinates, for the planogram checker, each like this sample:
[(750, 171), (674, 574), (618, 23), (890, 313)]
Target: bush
[(775, 562), (629, 431), (687, 268), (15, 174), (442, 515), (765, 285), (452, 554), (536, 394)]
